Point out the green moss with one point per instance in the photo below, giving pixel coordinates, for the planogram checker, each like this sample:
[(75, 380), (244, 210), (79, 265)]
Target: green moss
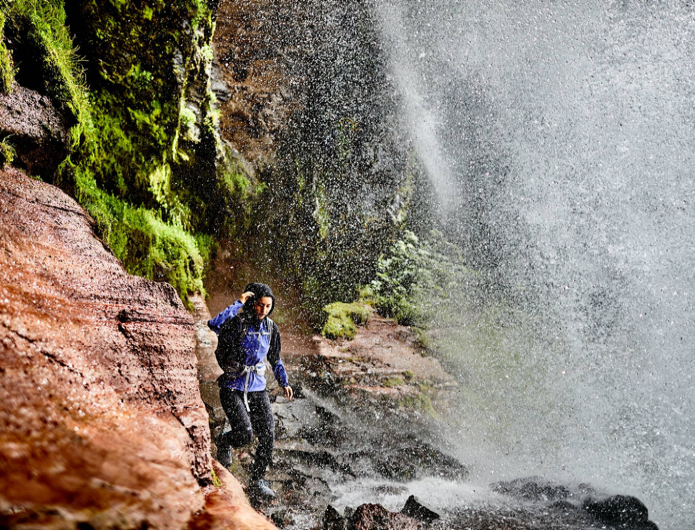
[(342, 319), (215, 479), (7, 70), (7, 152), (420, 402), (337, 327), (392, 382), (187, 120), (147, 245), (41, 37)]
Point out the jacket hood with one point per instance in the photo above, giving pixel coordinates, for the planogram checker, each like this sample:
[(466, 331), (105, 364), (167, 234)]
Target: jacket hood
[(259, 290)]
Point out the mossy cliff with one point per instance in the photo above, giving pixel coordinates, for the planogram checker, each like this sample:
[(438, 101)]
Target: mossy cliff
[(314, 201), (144, 156)]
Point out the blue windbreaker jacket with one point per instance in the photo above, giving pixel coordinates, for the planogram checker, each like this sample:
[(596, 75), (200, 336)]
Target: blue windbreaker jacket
[(255, 345)]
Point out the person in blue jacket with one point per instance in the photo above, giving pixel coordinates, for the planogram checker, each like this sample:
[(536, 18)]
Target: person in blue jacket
[(246, 338)]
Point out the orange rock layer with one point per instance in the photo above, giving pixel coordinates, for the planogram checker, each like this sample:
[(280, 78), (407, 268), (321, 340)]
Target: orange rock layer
[(101, 421)]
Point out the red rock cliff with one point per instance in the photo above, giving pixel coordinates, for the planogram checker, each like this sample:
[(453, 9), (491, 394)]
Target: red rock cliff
[(101, 420)]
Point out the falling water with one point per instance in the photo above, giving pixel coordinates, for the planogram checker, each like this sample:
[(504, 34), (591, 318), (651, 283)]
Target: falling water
[(560, 138)]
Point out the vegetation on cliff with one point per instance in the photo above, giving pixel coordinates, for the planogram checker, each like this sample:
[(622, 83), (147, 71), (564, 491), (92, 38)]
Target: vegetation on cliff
[(416, 277), (147, 161), (6, 63), (342, 319), (144, 156)]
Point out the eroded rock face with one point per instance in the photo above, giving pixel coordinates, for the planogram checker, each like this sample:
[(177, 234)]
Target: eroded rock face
[(101, 420), (37, 131), (255, 42)]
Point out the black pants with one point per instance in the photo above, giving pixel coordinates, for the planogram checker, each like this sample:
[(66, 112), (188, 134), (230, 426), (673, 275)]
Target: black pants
[(260, 420)]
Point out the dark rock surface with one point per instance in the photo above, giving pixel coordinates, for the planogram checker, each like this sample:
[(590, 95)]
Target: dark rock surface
[(36, 130), (415, 509), (253, 82), (376, 517), (533, 489), (619, 509), (332, 520), (101, 421)]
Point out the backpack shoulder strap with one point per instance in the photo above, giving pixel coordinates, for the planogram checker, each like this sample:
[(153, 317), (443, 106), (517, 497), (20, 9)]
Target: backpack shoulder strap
[(271, 326)]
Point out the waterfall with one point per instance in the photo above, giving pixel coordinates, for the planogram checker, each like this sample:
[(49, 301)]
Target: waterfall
[(559, 137)]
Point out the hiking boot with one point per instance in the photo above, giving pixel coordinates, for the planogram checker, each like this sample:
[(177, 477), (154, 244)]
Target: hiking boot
[(260, 489), (224, 451)]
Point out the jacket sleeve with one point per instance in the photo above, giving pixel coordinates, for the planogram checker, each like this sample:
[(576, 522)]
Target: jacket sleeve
[(274, 358), (228, 343), (215, 324)]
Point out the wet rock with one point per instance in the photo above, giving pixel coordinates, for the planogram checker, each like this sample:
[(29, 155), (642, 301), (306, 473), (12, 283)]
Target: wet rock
[(282, 518), (405, 457), (37, 131), (327, 430), (101, 420), (532, 489), (254, 71), (376, 517), (565, 508), (322, 460), (299, 391), (621, 509), (415, 509), (332, 520)]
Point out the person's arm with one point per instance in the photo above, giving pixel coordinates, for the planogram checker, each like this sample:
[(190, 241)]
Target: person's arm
[(276, 363), (215, 324)]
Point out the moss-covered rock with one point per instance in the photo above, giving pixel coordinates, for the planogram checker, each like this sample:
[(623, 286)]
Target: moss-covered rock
[(393, 382), (145, 159), (342, 319), (43, 49), (6, 63), (420, 401)]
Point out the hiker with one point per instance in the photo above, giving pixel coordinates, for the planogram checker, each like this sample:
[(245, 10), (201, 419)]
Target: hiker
[(246, 337)]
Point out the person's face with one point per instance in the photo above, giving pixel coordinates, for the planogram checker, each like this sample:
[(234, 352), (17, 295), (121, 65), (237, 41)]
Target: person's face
[(263, 307)]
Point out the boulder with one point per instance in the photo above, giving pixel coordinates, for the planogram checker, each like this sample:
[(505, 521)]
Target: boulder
[(621, 509), (415, 509), (532, 489), (332, 520), (376, 517)]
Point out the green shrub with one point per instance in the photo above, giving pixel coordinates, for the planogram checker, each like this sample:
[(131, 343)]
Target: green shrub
[(413, 276), (342, 319), (7, 152)]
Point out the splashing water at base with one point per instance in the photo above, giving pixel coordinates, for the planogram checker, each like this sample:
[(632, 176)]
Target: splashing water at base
[(562, 135)]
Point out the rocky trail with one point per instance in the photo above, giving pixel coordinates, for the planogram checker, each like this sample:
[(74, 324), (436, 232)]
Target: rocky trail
[(103, 425), (358, 447)]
